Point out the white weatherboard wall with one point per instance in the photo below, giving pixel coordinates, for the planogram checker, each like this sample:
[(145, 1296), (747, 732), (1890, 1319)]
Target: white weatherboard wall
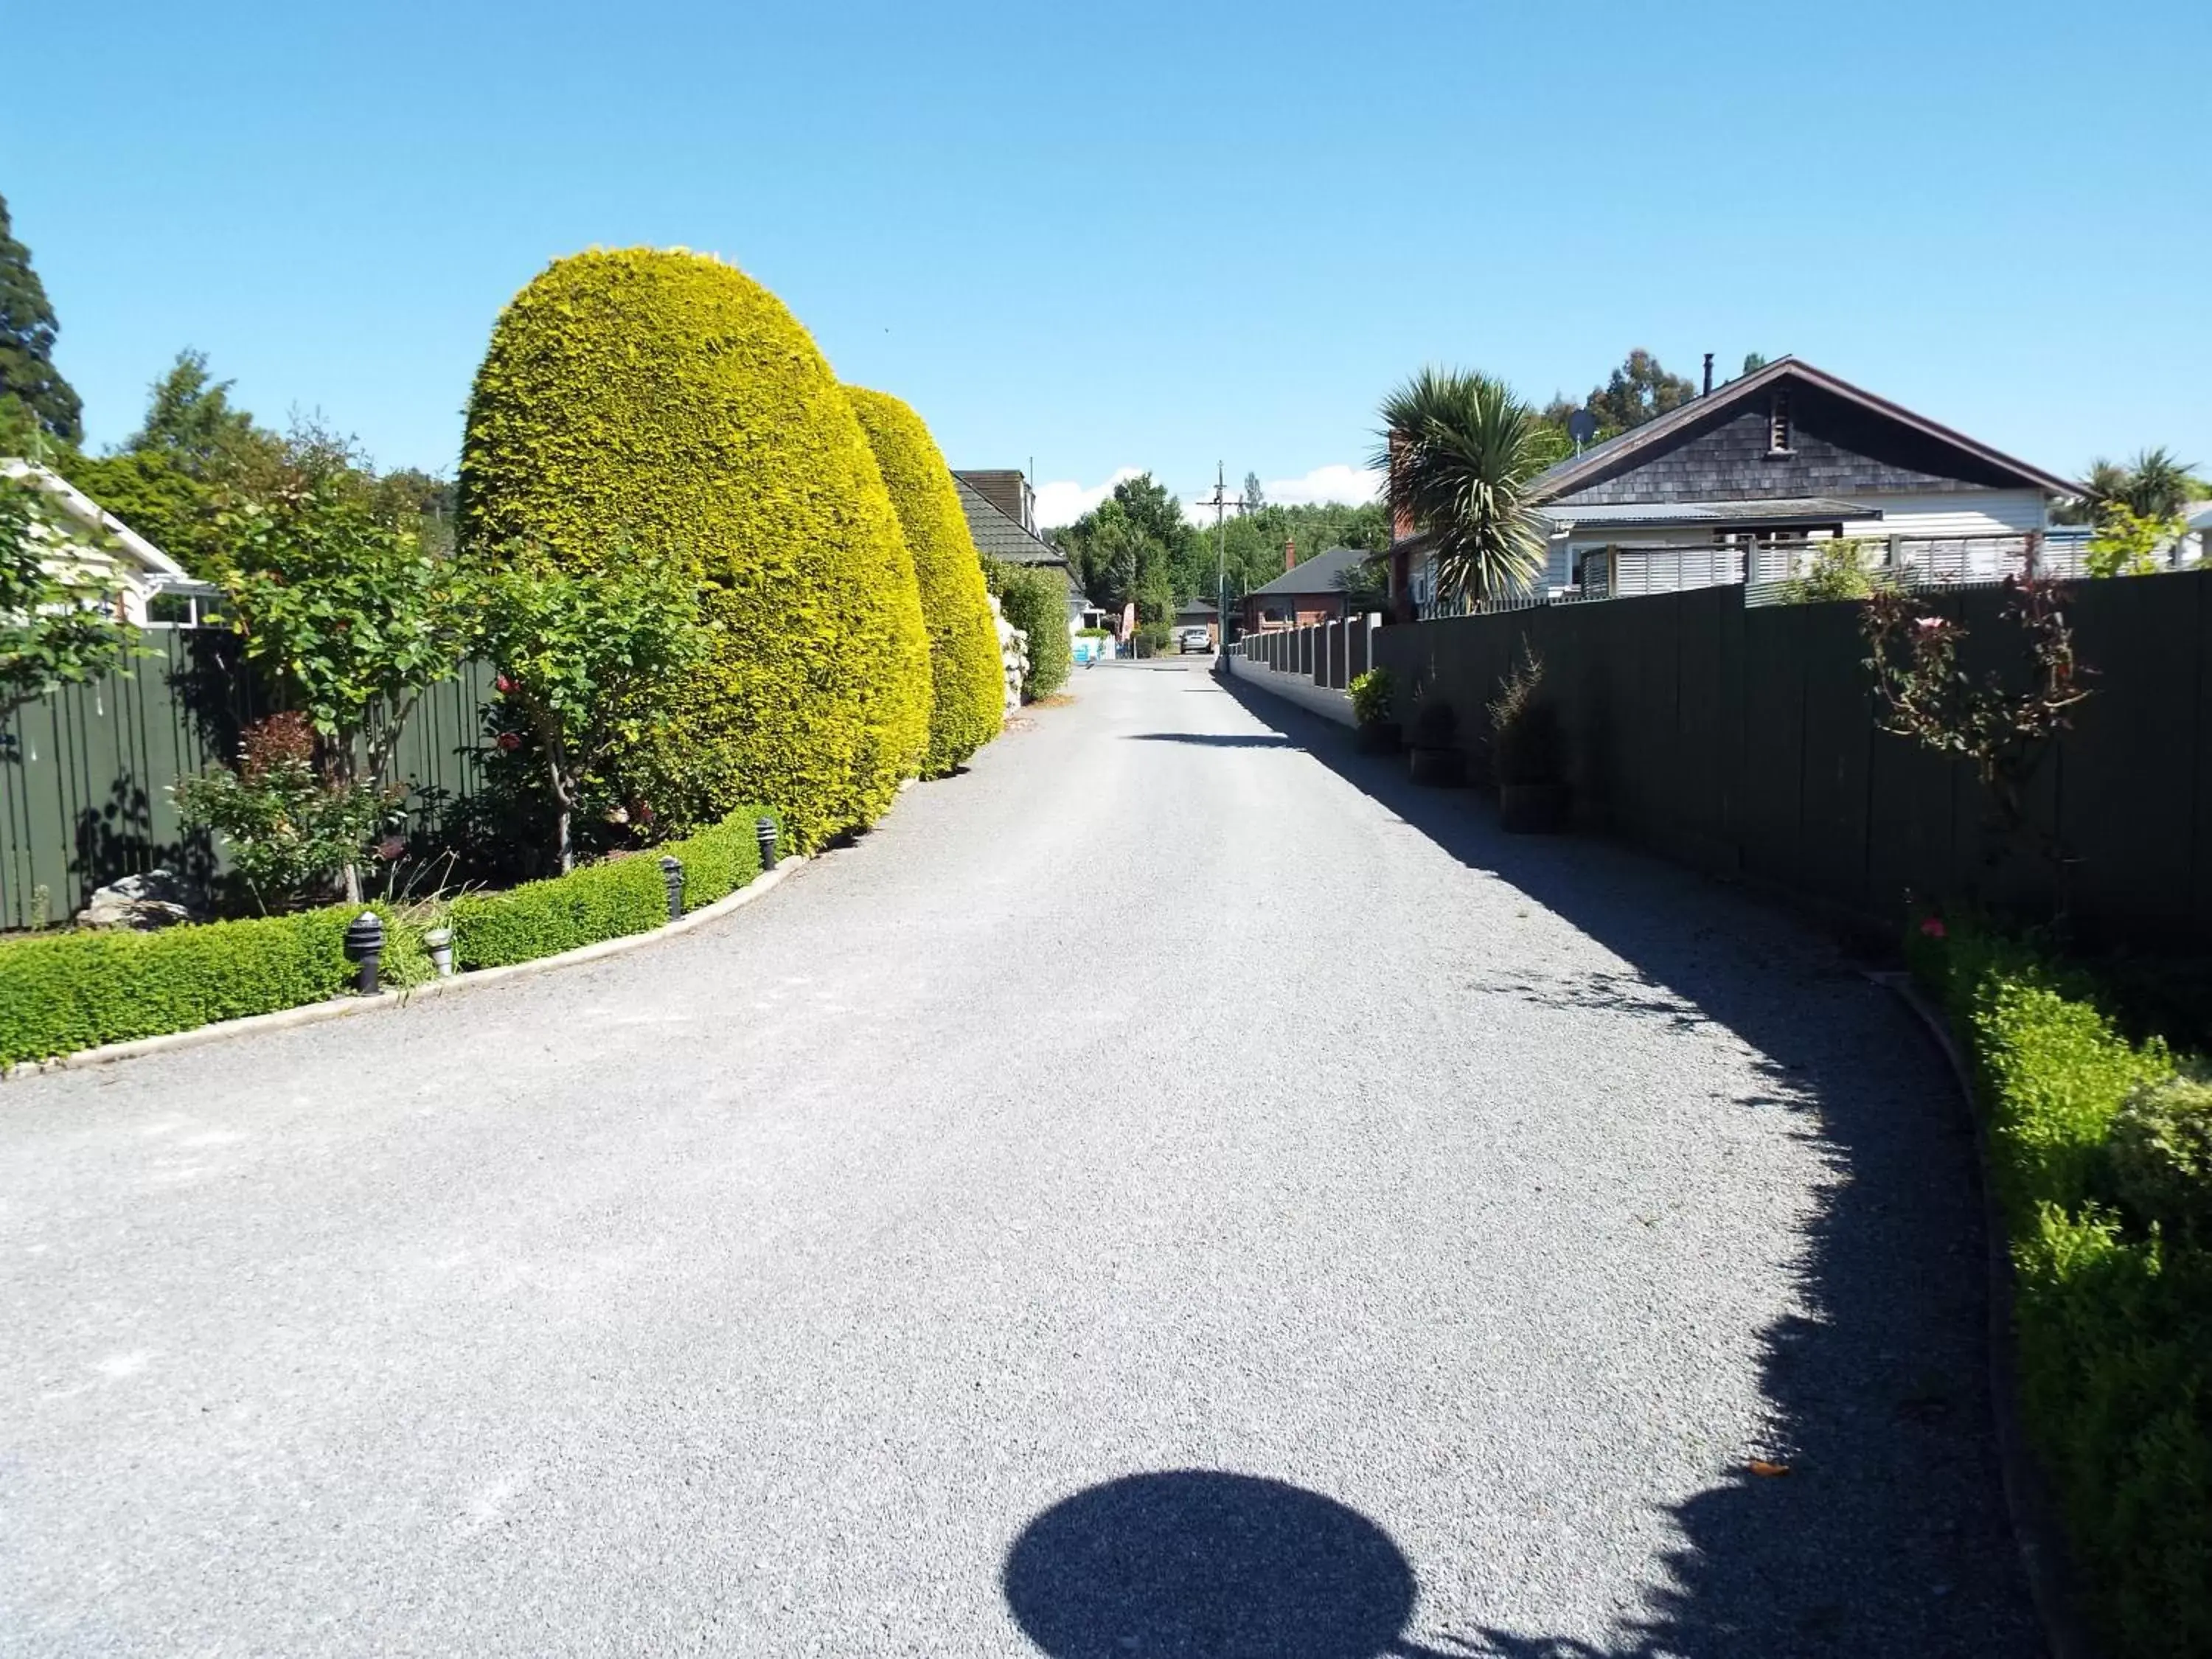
[(1296, 688), (1914, 515)]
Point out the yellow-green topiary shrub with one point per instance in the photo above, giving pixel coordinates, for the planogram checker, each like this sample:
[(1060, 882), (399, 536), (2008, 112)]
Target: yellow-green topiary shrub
[(662, 404), (967, 681)]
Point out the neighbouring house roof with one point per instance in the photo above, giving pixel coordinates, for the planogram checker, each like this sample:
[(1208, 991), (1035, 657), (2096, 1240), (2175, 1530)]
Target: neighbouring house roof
[(1633, 448), (1776, 510), (999, 536), (2198, 515), (1006, 488), (122, 546), (1195, 608), (1321, 574)]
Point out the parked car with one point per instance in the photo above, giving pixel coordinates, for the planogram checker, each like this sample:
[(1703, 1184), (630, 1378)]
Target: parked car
[(1193, 639)]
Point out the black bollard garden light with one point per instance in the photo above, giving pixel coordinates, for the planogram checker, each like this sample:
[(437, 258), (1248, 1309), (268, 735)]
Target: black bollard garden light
[(764, 831), (671, 872), (364, 946)]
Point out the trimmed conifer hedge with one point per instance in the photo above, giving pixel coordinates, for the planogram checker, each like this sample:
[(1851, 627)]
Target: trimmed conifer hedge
[(968, 698), (649, 404)]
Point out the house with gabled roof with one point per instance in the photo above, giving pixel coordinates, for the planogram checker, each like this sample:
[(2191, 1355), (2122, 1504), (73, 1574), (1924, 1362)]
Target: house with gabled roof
[(999, 507), (94, 547), (1306, 594), (1735, 485)]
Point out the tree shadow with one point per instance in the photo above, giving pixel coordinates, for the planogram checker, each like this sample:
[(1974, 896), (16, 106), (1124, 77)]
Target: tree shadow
[(1889, 1533), (1212, 739), (1195, 1562), (117, 839)]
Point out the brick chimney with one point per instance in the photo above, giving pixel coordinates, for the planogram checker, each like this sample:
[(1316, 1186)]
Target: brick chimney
[(1290, 553), (1401, 516)]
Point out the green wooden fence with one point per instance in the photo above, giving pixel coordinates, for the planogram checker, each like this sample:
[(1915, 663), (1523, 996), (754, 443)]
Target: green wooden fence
[(1742, 740), (85, 773)]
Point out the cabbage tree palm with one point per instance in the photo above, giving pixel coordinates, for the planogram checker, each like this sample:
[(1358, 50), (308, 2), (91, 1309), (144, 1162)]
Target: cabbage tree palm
[(1460, 453)]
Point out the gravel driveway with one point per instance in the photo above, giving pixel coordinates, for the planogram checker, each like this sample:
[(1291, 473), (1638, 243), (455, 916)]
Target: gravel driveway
[(1170, 1190)]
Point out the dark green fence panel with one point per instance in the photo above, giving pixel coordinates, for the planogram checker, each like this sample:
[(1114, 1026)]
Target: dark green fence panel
[(1743, 738), (86, 773)]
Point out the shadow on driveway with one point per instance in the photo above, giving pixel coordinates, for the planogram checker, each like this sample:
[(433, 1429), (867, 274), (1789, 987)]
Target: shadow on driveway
[(1215, 739), (1197, 1562), (1888, 1533)]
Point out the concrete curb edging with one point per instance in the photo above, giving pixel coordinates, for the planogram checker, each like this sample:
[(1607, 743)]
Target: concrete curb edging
[(344, 1007), (2044, 1556)]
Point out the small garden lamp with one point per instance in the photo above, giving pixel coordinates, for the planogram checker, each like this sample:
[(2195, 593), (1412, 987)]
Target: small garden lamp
[(364, 946)]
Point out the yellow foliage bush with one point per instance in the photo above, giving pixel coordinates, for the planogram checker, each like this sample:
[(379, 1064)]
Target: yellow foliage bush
[(661, 404), (968, 695)]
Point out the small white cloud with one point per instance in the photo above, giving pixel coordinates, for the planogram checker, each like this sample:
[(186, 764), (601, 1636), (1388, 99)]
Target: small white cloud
[(1064, 501), (1352, 485)]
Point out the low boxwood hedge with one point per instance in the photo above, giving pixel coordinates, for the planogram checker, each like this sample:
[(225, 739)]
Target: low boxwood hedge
[(544, 918), (603, 900), (60, 993), (718, 861), (2113, 1306)]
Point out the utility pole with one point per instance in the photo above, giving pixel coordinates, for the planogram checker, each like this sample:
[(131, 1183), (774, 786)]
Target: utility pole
[(1222, 501)]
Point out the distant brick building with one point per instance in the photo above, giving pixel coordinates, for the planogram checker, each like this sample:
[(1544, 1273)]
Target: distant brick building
[(1306, 594)]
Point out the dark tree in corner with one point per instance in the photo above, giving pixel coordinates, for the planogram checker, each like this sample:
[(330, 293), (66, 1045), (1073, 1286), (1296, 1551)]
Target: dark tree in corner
[(28, 328)]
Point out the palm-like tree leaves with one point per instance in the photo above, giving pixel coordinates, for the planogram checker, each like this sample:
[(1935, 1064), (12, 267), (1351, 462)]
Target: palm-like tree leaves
[(1460, 452)]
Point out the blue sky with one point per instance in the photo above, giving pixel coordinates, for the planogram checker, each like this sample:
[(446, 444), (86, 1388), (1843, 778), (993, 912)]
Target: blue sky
[(1148, 236)]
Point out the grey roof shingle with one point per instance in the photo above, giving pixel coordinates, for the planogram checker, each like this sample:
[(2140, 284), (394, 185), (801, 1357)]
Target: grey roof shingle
[(1320, 574), (1658, 435), (1000, 537), (997, 536)]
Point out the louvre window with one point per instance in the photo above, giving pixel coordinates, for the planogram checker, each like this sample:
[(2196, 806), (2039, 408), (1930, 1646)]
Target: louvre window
[(1777, 427)]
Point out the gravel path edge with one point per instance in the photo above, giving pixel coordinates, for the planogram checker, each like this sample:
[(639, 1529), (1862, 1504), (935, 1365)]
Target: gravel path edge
[(2044, 1556)]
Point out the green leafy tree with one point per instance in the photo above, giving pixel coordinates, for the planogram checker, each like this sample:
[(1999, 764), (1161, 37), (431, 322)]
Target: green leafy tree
[(1638, 391), (195, 458), (589, 663), (1467, 451), (57, 627), (1137, 545), (1254, 496), (191, 420), (28, 329), (2127, 542), (1837, 570), (351, 621), (1753, 361), (292, 833)]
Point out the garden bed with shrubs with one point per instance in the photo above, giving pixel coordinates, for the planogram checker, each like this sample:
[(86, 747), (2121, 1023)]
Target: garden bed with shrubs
[(63, 993), (2099, 1146)]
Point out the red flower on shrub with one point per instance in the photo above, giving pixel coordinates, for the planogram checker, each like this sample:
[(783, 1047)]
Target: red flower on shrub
[(505, 684), (1932, 926), (509, 741)]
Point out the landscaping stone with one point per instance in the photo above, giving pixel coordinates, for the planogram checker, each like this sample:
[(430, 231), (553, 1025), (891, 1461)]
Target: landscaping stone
[(156, 899)]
